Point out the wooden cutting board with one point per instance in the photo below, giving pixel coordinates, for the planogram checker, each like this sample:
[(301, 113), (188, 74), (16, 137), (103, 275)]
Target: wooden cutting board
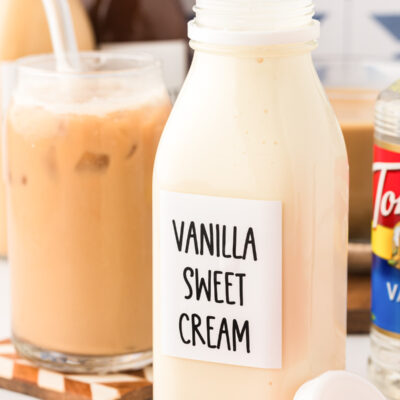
[(18, 375)]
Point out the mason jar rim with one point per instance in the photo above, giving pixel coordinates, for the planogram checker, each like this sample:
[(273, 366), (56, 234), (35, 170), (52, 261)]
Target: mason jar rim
[(44, 65)]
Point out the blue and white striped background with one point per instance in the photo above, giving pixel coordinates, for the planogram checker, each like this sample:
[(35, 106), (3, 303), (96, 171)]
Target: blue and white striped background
[(355, 27), (360, 27)]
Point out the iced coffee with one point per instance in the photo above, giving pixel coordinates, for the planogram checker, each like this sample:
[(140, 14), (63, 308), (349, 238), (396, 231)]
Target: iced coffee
[(24, 33), (352, 85), (80, 150), (355, 111)]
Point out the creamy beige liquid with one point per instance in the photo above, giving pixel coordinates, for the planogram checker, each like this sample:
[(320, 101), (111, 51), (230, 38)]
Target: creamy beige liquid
[(257, 125), (355, 111), (80, 226)]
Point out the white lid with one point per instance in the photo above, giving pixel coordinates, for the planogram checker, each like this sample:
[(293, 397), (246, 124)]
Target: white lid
[(337, 385), (254, 22)]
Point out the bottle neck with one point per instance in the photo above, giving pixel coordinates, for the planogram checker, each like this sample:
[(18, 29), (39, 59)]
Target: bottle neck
[(265, 59), (254, 22)]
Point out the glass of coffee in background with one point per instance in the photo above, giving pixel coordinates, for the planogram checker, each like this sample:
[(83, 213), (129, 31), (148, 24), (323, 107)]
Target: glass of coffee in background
[(352, 86), (80, 148)]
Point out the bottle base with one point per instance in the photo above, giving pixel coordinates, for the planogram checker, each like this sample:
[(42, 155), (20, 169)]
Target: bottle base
[(81, 364), (384, 364)]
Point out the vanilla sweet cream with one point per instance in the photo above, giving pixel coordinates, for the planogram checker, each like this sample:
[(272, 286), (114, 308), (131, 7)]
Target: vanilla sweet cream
[(250, 211)]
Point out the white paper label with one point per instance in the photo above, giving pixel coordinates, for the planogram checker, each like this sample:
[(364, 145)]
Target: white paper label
[(221, 274)]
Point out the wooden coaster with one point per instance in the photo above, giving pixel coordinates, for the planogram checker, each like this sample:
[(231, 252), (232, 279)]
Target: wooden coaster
[(19, 375)]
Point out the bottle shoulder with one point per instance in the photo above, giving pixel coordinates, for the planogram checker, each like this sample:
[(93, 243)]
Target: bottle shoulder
[(255, 127), (253, 112)]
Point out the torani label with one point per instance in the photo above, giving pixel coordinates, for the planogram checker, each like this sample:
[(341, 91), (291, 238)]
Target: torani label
[(386, 239)]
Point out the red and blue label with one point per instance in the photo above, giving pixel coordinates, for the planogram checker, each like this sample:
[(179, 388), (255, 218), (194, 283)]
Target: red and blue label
[(386, 238)]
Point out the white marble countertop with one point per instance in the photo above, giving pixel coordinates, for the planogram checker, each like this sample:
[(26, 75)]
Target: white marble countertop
[(357, 345)]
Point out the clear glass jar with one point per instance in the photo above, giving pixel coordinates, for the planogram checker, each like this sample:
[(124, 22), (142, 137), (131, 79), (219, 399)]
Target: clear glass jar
[(384, 362), (80, 148)]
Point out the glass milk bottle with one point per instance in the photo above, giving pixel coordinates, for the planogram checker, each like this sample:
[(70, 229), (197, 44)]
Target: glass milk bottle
[(250, 212)]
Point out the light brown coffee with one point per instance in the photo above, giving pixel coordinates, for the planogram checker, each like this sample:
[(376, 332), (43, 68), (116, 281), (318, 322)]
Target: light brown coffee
[(80, 227), (355, 111)]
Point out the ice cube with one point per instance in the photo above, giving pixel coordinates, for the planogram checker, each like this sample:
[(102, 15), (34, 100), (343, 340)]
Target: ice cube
[(93, 162), (132, 151)]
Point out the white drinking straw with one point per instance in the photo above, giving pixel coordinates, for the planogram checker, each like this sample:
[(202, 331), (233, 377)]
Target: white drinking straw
[(62, 33)]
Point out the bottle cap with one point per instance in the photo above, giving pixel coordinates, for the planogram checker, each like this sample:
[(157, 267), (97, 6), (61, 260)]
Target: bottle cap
[(336, 385), (254, 22)]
